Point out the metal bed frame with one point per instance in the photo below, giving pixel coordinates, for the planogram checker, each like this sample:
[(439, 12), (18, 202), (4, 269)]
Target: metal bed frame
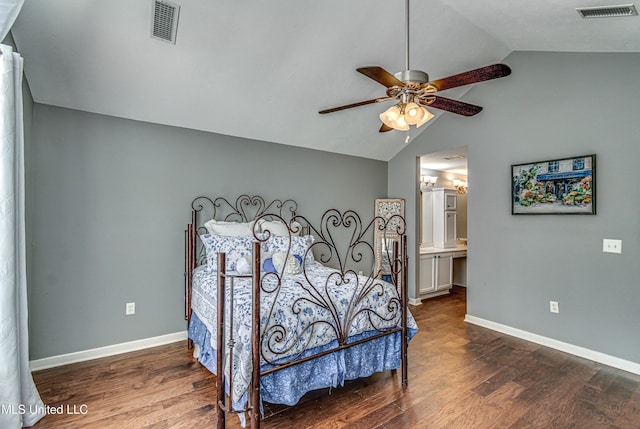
[(341, 241)]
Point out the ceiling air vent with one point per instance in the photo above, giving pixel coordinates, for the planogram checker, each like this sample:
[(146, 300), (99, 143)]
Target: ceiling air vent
[(164, 20), (607, 11)]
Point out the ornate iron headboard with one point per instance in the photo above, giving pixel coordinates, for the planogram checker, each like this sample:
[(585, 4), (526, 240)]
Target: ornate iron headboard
[(245, 208)]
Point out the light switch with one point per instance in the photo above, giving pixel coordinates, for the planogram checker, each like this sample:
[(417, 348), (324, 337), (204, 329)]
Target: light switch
[(130, 308)]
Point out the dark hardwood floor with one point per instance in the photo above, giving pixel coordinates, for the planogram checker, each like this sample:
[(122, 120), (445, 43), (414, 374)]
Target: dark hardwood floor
[(460, 376)]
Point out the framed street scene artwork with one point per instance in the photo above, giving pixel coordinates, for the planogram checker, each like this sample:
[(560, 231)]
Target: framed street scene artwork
[(557, 186)]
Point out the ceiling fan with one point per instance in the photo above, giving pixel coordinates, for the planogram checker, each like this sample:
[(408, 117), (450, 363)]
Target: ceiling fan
[(413, 91)]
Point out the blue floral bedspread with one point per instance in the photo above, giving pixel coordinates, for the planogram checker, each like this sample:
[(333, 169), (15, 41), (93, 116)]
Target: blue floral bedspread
[(313, 309)]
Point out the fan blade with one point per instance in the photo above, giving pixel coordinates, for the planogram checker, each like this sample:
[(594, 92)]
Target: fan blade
[(380, 75), (482, 74), (358, 104), (455, 106), (384, 128), (348, 106)]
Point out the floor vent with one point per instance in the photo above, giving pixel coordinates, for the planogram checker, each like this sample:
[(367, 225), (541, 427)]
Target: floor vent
[(164, 20), (607, 11)]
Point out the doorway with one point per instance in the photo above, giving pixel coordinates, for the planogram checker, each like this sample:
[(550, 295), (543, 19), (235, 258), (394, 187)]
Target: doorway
[(442, 264)]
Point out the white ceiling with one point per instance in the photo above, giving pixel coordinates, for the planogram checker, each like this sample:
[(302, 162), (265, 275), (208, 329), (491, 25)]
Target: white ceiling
[(262, 69), (449, 161)]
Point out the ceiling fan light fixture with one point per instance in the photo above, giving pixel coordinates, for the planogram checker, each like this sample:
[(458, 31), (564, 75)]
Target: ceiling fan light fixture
[(413, 113), (389, 116), (393, 117), (401, 124), (426, 118), (401, 116)]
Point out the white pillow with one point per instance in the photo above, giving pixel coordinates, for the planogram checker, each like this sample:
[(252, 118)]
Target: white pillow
[(278, 228), (229, 229), (292, 265), (243, 266)]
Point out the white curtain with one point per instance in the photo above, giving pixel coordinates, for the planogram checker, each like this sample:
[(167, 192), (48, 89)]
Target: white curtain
[(9, 10), (20, 403)]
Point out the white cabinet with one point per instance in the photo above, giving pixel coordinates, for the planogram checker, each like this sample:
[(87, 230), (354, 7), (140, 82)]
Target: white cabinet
[(426, 211), (444, 271), (444, 218), (427, 269), (436, 274)]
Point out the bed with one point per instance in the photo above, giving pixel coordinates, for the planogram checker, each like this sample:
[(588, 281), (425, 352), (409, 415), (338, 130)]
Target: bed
[(302, 306)]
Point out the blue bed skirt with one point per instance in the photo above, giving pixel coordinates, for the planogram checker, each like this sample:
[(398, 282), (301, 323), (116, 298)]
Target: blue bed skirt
[(288, 385)]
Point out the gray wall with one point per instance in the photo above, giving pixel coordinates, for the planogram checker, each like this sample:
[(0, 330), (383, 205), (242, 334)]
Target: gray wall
[(553, 105), (111, 201)]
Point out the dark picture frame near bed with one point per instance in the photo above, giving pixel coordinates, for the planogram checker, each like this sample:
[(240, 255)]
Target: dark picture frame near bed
[(558, 186)]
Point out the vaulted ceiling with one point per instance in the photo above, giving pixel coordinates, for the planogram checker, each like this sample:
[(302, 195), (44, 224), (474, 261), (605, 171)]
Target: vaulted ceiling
[(262, 69)]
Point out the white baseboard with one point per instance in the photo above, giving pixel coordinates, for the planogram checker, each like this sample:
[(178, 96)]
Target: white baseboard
[(414, 301), (100, 352), (582, 352)]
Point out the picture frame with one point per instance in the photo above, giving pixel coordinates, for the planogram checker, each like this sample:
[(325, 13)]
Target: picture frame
[(557, 186)]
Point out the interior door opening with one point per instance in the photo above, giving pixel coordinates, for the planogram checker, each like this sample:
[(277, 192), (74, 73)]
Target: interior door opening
[(443, 187)]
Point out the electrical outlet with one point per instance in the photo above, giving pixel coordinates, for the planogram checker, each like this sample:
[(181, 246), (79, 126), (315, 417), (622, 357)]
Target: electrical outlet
[(554, 307), (611, 246), (130, 309)]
